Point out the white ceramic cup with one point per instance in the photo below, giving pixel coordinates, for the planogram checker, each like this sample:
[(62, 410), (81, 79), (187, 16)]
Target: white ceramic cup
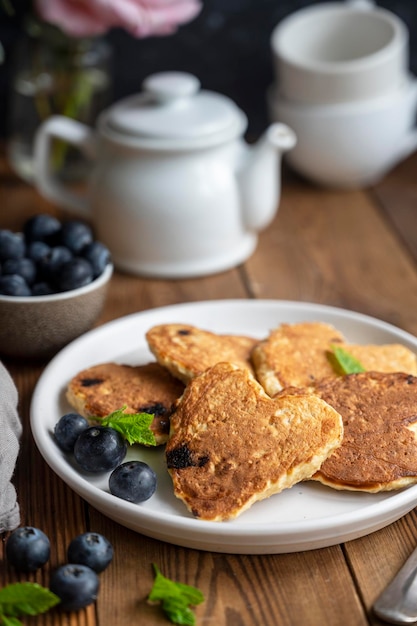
[(352, 144), (340, 52)]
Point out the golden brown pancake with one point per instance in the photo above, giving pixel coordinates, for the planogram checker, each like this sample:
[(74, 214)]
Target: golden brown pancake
[(231, 444), (298, 355), (379, 448), (391, 357), (294, 355), (187, 351), (102, 389)]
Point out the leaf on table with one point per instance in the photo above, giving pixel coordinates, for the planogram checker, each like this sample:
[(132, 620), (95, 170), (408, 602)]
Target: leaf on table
[(24, 599), (175, 598)]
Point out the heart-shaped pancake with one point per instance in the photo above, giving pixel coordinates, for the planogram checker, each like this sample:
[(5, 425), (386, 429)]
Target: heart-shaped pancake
[(231, 444)]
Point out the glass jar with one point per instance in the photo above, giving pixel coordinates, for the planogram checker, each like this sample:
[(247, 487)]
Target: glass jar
[(55, 75)]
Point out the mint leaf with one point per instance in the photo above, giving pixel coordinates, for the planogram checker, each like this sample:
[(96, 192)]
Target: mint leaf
[(346, 362), (24, 599), (135, 427), (10, 621), (175, 599)]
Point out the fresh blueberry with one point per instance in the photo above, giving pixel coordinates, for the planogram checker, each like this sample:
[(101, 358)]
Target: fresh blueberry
[(99, 449), (91, 549), (42, 289), (67, 430), (27, 549), (76, 585), (12, 245), (75, 235), (42, 227), (14, 285), (50, 265), (23, 267), (98, 255), (73, 274), (134, 481), (37, 250)]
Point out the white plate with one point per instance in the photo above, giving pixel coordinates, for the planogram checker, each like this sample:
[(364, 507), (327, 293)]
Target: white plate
[(307, 516)]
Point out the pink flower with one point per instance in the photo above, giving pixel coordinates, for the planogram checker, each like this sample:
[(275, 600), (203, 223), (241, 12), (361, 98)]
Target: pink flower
[(141, 18)]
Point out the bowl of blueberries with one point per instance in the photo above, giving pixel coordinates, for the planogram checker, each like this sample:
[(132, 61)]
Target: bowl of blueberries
[(54, 277)]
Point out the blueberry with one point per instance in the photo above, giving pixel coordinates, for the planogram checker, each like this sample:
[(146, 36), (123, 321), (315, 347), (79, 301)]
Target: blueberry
[(73, 274), (99, 449), (37, 250), (91, 549), (98, 255), (12, 245), (75, 235), (42, 227), (14, 285), (27, 549), (42, 289), (50, 265), (76, 585), (24, 267), (134, 481), (67, 430)]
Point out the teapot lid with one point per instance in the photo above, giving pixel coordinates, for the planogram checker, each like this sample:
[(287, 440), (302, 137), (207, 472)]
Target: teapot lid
[(172, 108)]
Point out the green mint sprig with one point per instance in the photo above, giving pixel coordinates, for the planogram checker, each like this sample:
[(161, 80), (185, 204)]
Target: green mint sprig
[(135, 427), (20, 599), (175, 598), (347, 363)]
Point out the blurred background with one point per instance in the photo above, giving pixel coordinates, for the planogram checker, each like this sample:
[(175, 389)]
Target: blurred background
[(226, 46)]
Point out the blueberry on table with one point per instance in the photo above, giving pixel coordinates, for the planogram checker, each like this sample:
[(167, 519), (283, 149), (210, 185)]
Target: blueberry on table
[(100, 449), (27, 549), (91, 549), (75, 235), (42, 227), (14, 285), (74, 274), (12, 245), (67, 430), (134, 481), (76, 585)]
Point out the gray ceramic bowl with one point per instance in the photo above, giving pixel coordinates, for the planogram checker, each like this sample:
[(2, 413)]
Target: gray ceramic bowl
[(39, 326)]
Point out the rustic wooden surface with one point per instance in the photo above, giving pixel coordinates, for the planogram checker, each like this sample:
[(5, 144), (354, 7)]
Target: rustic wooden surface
[(351, 249)]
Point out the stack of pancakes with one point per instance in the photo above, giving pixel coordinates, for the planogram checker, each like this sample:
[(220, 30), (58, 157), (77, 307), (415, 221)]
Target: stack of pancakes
[(243, 419)]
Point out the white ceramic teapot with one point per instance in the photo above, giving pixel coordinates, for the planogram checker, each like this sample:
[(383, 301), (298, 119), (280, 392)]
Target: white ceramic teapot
[(175, 191)]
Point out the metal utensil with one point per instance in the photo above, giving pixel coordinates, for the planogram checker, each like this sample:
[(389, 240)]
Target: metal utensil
[(397, 604)]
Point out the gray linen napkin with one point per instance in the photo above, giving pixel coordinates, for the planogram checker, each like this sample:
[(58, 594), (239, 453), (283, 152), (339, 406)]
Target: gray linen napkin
[(10, 431)]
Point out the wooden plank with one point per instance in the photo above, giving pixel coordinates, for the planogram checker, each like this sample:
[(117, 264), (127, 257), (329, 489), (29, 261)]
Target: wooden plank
[(335, 247), (245, 590), (376, 559), (130, 294), (397, 195)]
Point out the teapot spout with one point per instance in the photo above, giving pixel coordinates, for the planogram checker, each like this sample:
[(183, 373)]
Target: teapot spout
[(260, 176)]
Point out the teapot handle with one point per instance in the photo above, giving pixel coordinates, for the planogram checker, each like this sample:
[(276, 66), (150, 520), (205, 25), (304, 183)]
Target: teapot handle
[(76, 134)]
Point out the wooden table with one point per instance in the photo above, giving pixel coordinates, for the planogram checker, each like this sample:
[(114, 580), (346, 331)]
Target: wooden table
[(351, 249)]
